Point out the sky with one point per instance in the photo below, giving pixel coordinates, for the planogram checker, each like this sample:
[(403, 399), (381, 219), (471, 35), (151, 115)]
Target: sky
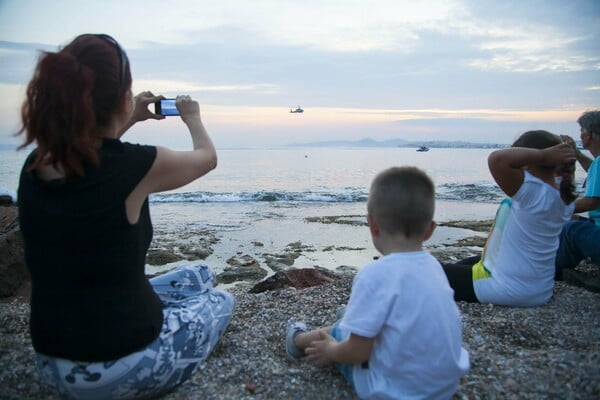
[(474, 70)]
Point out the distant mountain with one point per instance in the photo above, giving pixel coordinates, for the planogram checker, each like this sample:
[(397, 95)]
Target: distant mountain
[(367, 142)]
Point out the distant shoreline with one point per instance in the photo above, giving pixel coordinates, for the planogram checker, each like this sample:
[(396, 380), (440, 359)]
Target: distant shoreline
[(370, 143)]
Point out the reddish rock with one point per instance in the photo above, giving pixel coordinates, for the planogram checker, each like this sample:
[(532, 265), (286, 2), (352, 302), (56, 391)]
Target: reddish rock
[(298, 278)]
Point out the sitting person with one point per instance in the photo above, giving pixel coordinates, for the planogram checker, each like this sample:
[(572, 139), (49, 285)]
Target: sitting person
[(517, 264), (99, 327), (580, 238), (400, 335)]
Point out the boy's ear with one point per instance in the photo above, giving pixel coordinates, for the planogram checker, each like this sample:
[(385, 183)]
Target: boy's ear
[(429, 231), (372, 226)]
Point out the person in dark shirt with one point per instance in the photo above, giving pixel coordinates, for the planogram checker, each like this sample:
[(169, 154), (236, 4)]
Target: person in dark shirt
[(99, 327)]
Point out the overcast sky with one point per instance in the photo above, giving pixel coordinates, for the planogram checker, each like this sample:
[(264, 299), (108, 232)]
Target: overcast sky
[(476, 70)]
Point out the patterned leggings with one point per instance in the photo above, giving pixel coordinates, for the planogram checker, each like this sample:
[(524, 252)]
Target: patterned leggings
[(195, 317)]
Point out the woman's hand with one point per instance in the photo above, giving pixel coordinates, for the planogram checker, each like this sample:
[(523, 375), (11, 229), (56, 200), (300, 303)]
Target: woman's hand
[(140, 109), (189, 110)]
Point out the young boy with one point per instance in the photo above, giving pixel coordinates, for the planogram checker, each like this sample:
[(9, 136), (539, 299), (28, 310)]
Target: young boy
[(400, 335)]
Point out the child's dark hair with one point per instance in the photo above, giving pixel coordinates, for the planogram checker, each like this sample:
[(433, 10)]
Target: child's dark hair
[(542, 140), (402, 200), (72, 92)]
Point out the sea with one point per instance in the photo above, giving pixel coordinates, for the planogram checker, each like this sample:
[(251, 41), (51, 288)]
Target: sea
[(258, 201)]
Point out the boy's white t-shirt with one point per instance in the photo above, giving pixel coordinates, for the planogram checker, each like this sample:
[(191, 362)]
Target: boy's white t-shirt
[(404, 301), (520, 253)]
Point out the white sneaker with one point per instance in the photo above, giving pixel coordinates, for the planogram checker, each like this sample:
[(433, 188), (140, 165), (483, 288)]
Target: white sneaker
[(293, 329)]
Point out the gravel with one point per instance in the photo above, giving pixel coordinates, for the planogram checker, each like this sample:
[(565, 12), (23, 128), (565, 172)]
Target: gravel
[(516, 353)]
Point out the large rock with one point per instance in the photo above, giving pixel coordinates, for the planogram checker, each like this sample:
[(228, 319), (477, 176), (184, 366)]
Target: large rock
[(13, 273), (298, 278), (242, 268)]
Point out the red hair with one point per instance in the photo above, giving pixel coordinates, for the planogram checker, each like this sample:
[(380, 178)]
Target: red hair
[(72, 93)]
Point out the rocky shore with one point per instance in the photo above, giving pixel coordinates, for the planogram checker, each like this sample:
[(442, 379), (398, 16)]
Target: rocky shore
[(516, 353)]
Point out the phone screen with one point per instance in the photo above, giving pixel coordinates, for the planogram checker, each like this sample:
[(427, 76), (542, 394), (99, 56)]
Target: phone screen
[(166, 107)]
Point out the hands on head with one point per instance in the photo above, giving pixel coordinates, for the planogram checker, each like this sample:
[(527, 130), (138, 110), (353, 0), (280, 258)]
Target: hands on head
[(560, 154)]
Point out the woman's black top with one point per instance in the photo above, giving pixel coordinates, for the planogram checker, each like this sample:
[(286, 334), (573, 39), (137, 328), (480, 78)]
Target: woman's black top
[(90, 298)]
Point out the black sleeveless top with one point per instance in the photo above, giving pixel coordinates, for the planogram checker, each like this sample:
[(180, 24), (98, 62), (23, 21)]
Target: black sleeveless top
[(90, 298)]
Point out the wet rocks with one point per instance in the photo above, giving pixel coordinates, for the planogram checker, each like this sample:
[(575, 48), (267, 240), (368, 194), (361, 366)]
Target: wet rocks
[(241, 267)]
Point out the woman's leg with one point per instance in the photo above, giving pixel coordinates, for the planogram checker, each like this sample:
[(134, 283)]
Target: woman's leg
[(188, 280), (195, 316), (460, 278)]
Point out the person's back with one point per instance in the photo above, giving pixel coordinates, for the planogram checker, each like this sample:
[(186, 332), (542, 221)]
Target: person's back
[(100, 328), (517, 264), (80, 245), (400, 335), (525, 241), (404, 300)]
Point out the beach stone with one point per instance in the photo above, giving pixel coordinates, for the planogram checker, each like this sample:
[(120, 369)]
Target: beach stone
[(162, 257), (478, 226), (13, 273), (297, 278), (243, 267)]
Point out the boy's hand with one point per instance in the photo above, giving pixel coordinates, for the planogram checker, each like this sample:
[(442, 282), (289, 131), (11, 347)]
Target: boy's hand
[(319, 351)]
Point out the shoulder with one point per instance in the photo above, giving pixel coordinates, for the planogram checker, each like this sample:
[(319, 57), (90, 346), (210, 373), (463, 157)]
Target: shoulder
[(532, 187), (112, 146), (129, 154)]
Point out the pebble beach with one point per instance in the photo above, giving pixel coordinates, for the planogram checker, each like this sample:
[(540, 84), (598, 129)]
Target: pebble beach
[(516, 353)]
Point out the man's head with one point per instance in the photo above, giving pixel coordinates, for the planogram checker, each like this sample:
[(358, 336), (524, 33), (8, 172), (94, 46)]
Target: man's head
[(402, 201), (589, 122)]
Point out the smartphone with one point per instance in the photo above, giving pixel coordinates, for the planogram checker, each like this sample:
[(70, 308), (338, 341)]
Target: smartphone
[(166, 107)]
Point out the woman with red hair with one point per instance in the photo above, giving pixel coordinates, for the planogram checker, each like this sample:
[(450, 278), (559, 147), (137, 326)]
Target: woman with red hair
[(100, 328)]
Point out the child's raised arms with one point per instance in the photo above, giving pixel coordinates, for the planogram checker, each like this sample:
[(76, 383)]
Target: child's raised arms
[(507, 165)]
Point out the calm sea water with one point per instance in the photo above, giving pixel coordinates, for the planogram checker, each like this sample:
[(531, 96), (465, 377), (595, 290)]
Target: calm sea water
[(313, 175), (267, 195)]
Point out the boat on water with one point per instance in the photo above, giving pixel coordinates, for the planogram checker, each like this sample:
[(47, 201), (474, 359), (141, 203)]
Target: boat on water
[(423, 148)]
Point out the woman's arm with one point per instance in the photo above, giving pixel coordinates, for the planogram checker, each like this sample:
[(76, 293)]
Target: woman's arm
[(172, 169), (507, 165), (356, 349)]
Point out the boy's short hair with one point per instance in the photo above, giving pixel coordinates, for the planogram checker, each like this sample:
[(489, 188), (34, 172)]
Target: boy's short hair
[(590, 121), (402, 200)]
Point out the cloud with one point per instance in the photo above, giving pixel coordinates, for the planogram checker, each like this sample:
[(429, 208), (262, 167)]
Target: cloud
[(172, 86)]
